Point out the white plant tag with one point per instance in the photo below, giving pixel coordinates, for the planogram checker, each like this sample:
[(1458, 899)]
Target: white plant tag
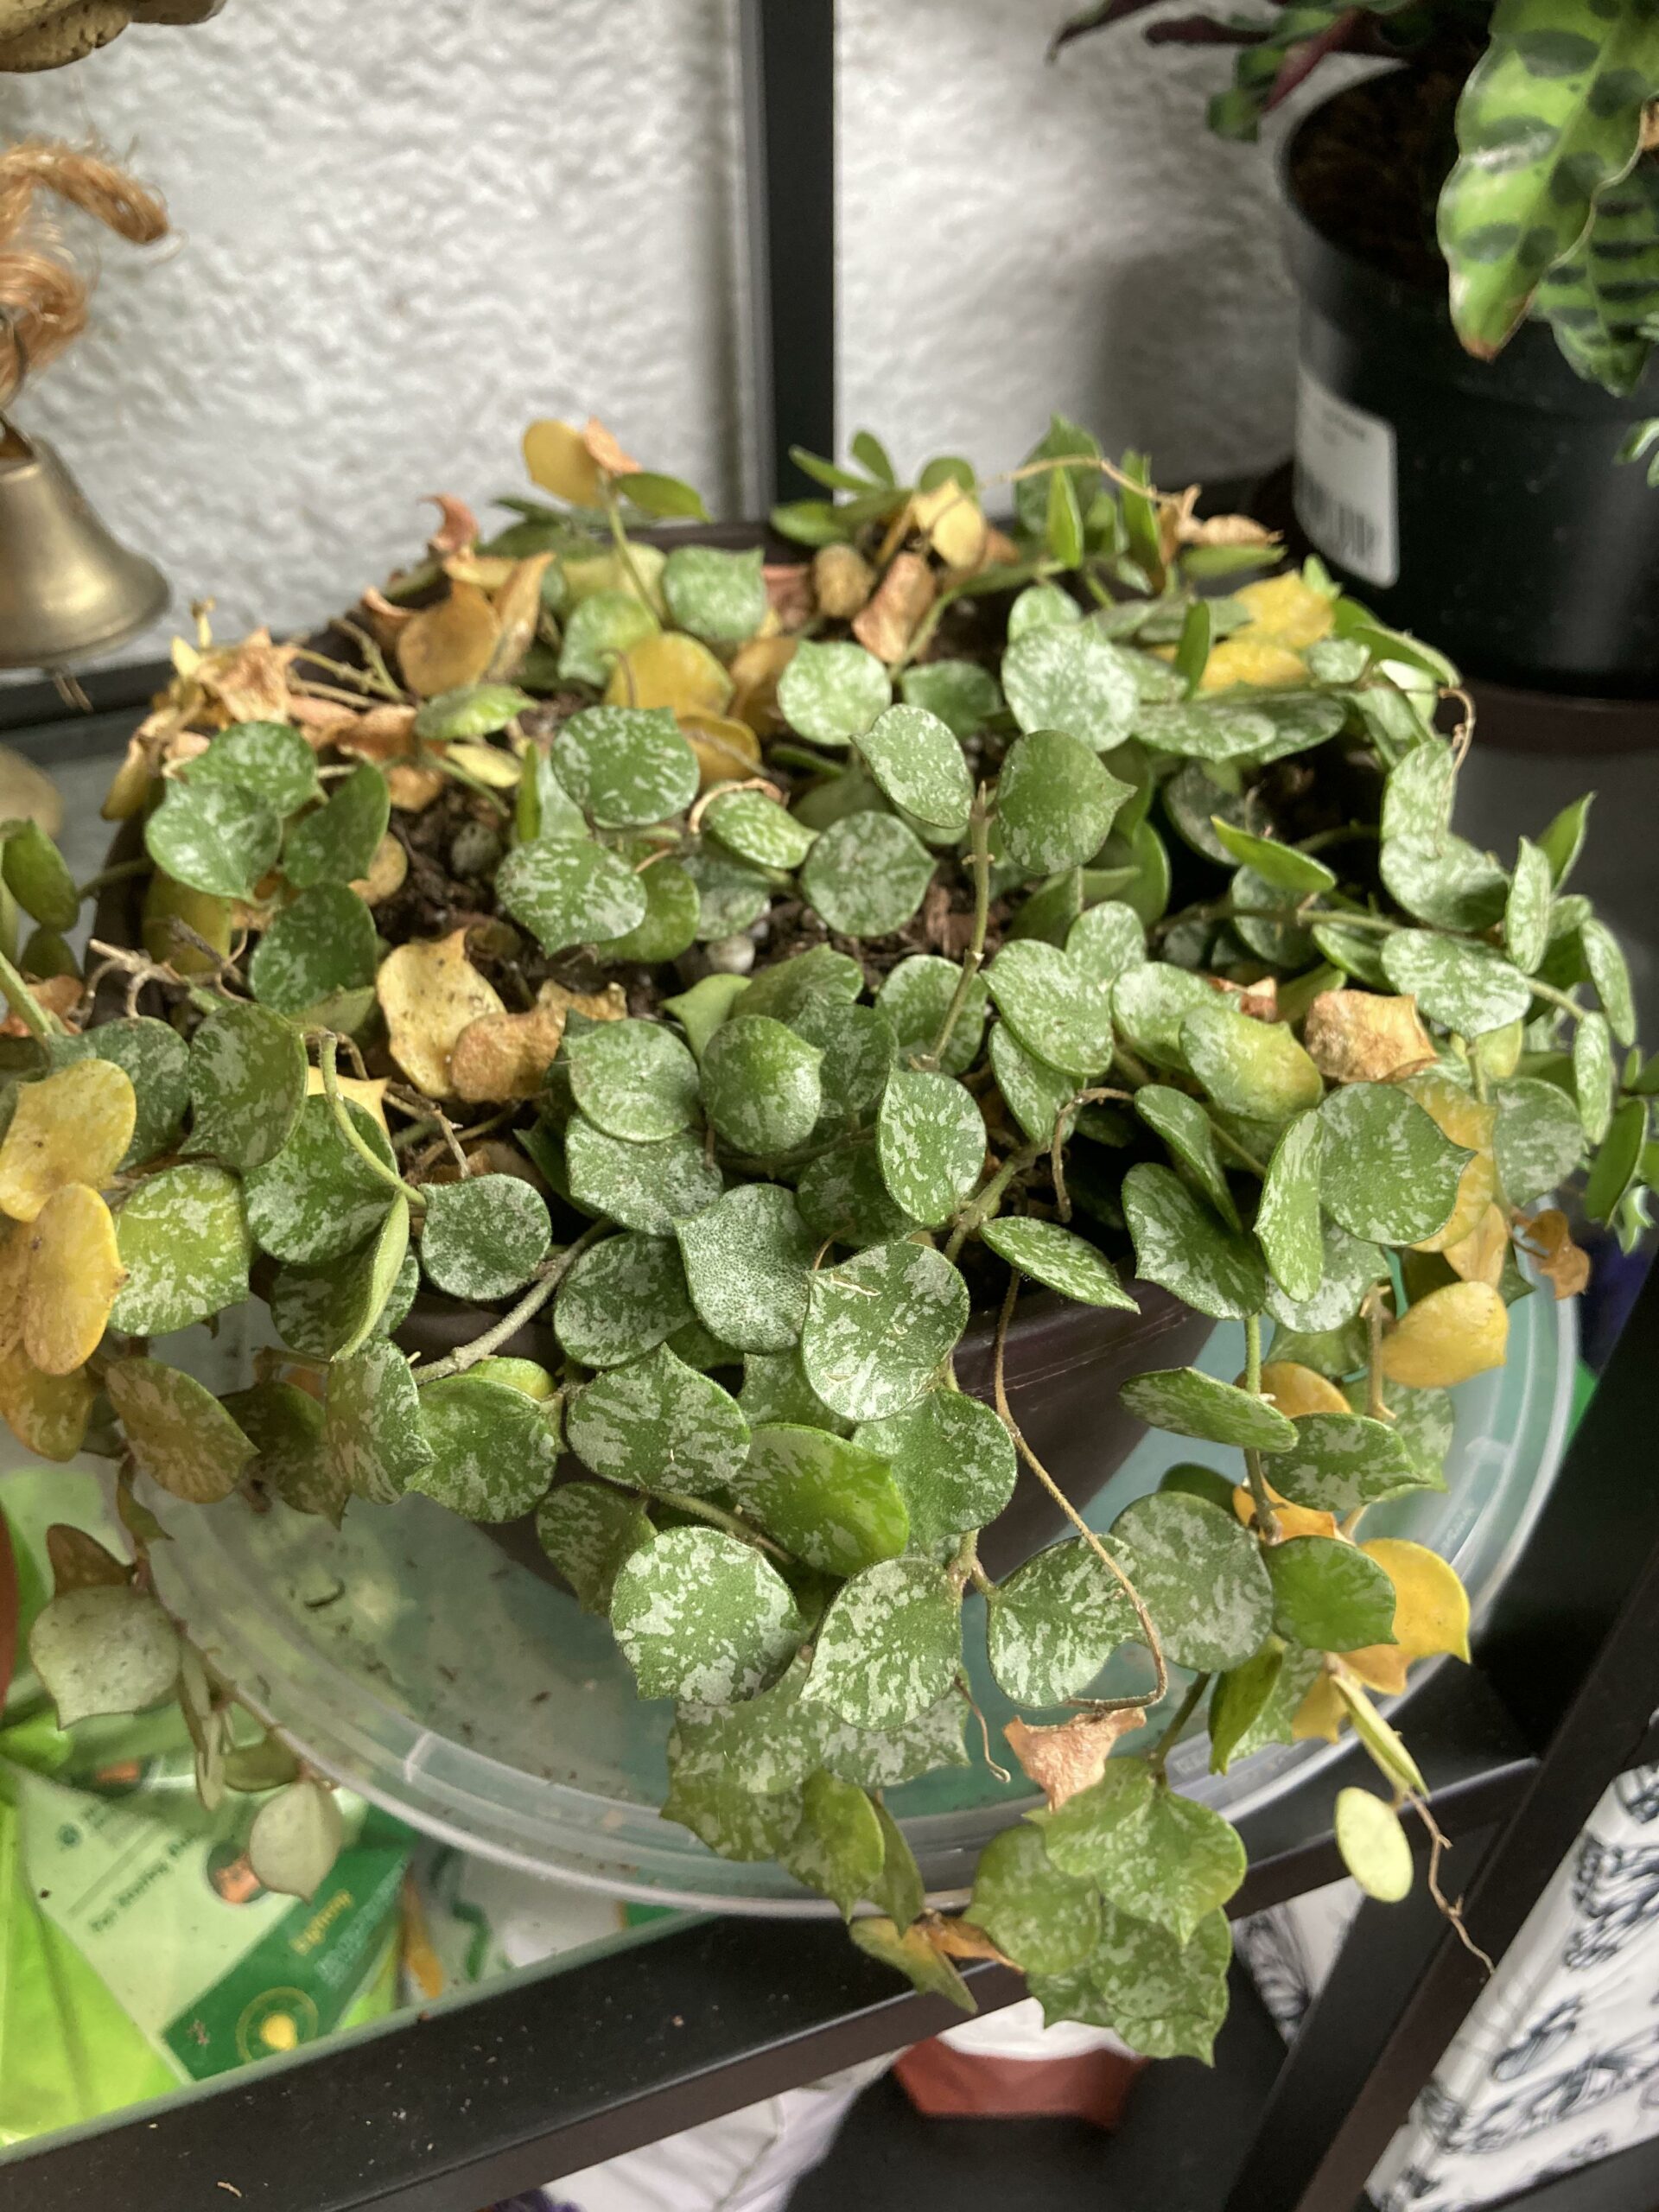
[(1345, 482)]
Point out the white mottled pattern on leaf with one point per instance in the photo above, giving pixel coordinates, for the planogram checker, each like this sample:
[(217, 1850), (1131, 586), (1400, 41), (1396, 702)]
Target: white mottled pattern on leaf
[(1033, 1091), (1288, 1218), (1188, 1402), (636, 1079), (1150, 1003), (700, 1615), (1539, 1140), (1107, 940), (915, 997), (880, 1324), (183, 1239), (952, 1460), (1348, 1267), (919, 764), (1250, 1067), (646, 1186), (1185, 1246), (760, 1084), (626, 766), (271, 759), (1058, 1007), (890, 1645), (1184, 1125), (215, 837), (181, 1435), (316, 1198), (1467, 988), (621, 1298), (831, 1502), (483, 1238), (1055, 801), (1058, 1258), (247, 1084), (1165, 2000), (157, 1062), (656, 1424), (371, 1425), (832, 693), (1074, 679), (588, 1531), (493, 1449), (866, 873), (1388, 1174), (322, 944), (1342, 1461), (1200, 1576), (746, 1258), (567, 892), (759, 829), (1054, 1622), (930, 1141), (1048, 1922), (718, 596)]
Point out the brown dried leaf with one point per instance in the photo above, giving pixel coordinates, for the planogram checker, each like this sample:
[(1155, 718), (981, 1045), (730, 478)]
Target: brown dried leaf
[(495, 1156), (79, 1562), (604, 451), (1071, 1755), (517, 611), (412, 790), (503, 1056), (789, 597), (322, 721), (429, 991), (449, 645), (1260, 1001), (953, 523), (1001, 551), (250, 681), (387, 871), (756, 667), (1559, 1260), (378, 734), (58, 994), (1365, 1036), (382, 617), (843, 581), (903, 597), (458, 528), (489, 571)]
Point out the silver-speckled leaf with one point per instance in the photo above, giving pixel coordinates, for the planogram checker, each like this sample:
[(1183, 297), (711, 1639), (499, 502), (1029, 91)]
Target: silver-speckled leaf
[(1181, 1245), (698, 1614), (859, 1049), (952, 1460), (747, 1259), (322, 944), (843, 1197), (1107, 940), (284, 1425), (1388, 1174), (915, 996), (271, 759), (320, 1310), (1449, 882), (832, 693), (879, 1326), (483, 1238), (785, 990), (1072, 678), (183, 1240), (721, 597), (1163, 1998), (919, 763), (866, 873), (657, 1424), (775, 1388), (336, 841), (1047, 1921), (1287, 1219), (1150, 1002), (757, 829), (1348, 1267), (247, 1085), (838, 1848), (1058, 1007), (830, 1501), (316, 1198), (1188, 1402), (1612, 977), (104, 1648), (626, 766), (1058, 1259), (1526, 913), (213, 837), (157, 1064), (493, 1449), (1055, 1622), (1340, 1462), (1239, 725), (1539, 1140), (673, 910), (1200, 1576), (371, 1430), (890, 1645), (589, 1532), (635, 1079), (1055, 801), (960, 693), (730, 894), (1033, 1092), (1181, 1121), (567, 891), (181, 1435), (1592, 1074), (644, 1186), (1417, 797), (620, 1300), (761, 1085), (600, 628), (930, 1141), (881, 1758)]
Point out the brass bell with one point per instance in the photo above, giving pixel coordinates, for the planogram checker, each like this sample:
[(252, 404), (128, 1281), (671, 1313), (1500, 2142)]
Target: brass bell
[(69, 589)]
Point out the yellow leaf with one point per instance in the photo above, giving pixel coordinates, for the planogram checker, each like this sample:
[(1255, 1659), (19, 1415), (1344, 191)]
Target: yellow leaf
[(1292, 1520), (501, 771), (74, 1271), (14, 1282), (639, 575), (130, 786), (1446, 1337), (604, 451), (727, 750), (1431, 1607), (73, 1126), (47, 1413), (953, 524), (1364, 1036), (489, 571), (842, 581), (449, 645), (885, 626), (1286, 610), (670, 670), (1297, 1390), (1467, 1121), (1478, 1257), (387, 871), (429, 992), (201, 912), (502, 1055), (517, 611), (1321, 1714), (756, 668), (1249, 657), (556, 458), (369, 1093)]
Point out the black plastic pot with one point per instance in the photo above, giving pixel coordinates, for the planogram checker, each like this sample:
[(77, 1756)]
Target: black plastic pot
[(1475, 503)]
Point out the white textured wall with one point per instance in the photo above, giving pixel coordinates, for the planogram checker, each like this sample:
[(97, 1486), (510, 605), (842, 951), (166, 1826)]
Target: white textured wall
[(407, 226)]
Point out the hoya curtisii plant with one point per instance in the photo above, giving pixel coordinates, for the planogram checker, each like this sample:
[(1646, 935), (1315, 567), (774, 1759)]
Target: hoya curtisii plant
[(717, 976), (1551, 205)]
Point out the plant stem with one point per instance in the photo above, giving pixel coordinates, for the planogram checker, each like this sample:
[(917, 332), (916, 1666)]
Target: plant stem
[(979, 830), (716, 1516), (984, 1200), (39, 1024), (327, 1054), (549, 1276), (119, 873), (1266, 1520), (1158, 1756), (619, 539)]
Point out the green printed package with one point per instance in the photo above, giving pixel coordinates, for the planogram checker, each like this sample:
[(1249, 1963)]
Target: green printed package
[(137, 1950)]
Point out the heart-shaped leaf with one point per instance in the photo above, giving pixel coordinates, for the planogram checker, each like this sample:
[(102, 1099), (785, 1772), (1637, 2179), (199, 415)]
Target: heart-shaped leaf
[(761, 1086), (647, 1186), (747, 1259), (1254, 1068), (296, 1839), (284, 1425), (1164, 1860), (317, 1197), (600, 630), (1189, 1402), (879, 1326), (1467, 988), (1200, 1576), (372, 1434), (105, 1649), (1056, 1006), (1034, 1092), (1055, 801), (635, 1079), (1288, 1224), (1055, 1622), (271, 759), (1180, 1244), (919, 763), (567, 891), (620, 1300), (1348, 1267), (1182, 1122), (1047, 1921), (657, 1425), (930, 1142), (1340, 1462), (1072, 678), (322, 1309), (589, 1532), (698, 1614), (757, 829), (336, 843), (730, 894), (1151, 1002), (859, 1049), (785, 990), (322, 944), (909, 1612), (721, 597), (626, 766), (832, 1502), (1539, 1140), (838, 1849), (212, 836), (952, 1460), (1387, 1174), (181, 1435), (914, 998), (1107, 940), (184, 1243), (1163, 1997), (832, 693), (866, 873), (843, 1197), (960, 693), (1328, 1595), (493, 1449)]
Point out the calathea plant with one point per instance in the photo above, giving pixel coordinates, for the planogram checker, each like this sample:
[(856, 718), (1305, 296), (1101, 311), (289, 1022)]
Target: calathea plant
[(751, 968)]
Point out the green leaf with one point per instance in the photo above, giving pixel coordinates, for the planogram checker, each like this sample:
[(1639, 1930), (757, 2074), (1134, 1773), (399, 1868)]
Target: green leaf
[(1165, 2000), (1063, 523), (832, 693), (843, 1198), (484, 1237), (1282, 866), (1466, 988), (1092, 1827), (964, 696), (1341, 1462), (655, 1424), (322, 944), (598, 631), (1348, 1267), (746, 1260), (1423, 1424), (914, 998), (918, 762), (1237, 1703), (475, 709), (1388, 1174), (1034, 1092), (37, 877), (1526, 914), (859, 1049), (899, 1891), (1287, 1219), (1072, 678), (1187, 1403), (720, 597), (832, 1502), (890, 1645), (1200, 1576), (157, 1064), (878, 1327), (1355, 952), (1239, 724), (566, 891), (589, 1533), (1249, 1067), (1107, 940), (271, 759), (371, 1430), (1056, 1258), (315, 1198), (1375, 1847), (647, 1186), (757, 829), (1417, 797), (1055, 801), (1550, 120), (106, 1647), (775, 1388), (1563, 841), (1046, 1921), (1448, 882), (952, 1460), (866, 873), (181, 1435), (493, 1449), (183, 1241), (1181, 1245), (761, 1085), (789, 987), (1329, 1595), (295, 1838), (634, 1079), (1172, 1864), (284, 1425), (213, 837), (1612, 978), (1053, 1623), (335, 844), (1593, 1077), (626, 766), (322, 1309), (1615, 1166), (621, 1298), (1151, 1002), (838, 1848), (930, 1141), (698, 1614), (700, 1010), (1042, 607), (881, 1758), (1059, 1009)]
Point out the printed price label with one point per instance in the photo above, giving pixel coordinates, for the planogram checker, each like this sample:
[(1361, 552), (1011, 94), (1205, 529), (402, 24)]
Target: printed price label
[(1345, 482)]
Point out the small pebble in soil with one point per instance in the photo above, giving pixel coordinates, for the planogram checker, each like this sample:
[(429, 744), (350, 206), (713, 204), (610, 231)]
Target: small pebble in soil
[(475, 851), (731, 956)]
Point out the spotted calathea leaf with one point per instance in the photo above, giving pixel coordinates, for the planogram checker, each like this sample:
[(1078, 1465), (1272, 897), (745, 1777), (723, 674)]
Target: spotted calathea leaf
[(1387, 1174), (655, 1424), (1200, 1576), (879, 1325), (493, 1449), (247, 1085), (1164, 1998), (952, 1461), (1180, 1244), (648, 1186), (105, 1649), (1054, 1622), (1055, 1258), (867, 874), (620, 1300), (184, 1243), (1058, 1007), (317, 1197), (181, 1435), (1154, 1856), (1048, 1922), (212, 836), (747, 1263), (832, 693), (626, 766), (156, 1060), (372, 1435), (700, 1614), (831, 1502), (1072, 678), (930, 1143), (1056, 801), (484, 1237), (72, 1126), (760, 1084), (589, 1531), (919, 764), (909, 1612), (567, 891), (284, 1425), (914, 999)]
